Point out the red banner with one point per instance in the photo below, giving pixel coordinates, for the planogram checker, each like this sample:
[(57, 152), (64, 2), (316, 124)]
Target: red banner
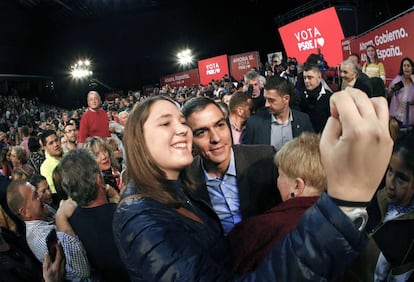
[(185, 78), (147, 90), (242, 63), (392, 41), (321, 30), (213, 68)]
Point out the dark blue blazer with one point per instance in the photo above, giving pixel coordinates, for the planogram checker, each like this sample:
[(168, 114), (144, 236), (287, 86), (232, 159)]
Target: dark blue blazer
[(256, 179), (258, 127)]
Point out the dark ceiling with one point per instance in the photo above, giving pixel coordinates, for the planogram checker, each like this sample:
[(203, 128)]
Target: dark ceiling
[(132, 42), (58, 10)]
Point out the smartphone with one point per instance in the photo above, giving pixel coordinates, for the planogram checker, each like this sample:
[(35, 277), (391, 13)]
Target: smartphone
[(250, 90), (51, 242), (398, 86)]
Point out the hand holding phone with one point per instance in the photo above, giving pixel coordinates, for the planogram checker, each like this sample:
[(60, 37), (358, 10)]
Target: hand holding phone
[(51, 242), (54, 271), (397, 86), (250, 90)]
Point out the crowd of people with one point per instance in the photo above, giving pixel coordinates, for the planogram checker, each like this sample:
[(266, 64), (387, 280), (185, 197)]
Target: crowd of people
[(221, 182)]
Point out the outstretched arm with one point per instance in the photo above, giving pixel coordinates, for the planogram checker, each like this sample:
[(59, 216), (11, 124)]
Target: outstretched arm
[(64, 212), (355, 149)]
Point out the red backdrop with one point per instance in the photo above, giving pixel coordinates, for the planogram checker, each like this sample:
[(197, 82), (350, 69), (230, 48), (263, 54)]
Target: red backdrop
[(242, 63), (213, 68), (392, 40), (185, 78), (319, 30)]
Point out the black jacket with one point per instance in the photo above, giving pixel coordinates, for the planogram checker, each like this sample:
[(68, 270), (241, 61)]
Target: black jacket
[(157, 243)]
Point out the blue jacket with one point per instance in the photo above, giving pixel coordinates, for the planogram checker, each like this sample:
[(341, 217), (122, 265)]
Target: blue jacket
[(157, 243)]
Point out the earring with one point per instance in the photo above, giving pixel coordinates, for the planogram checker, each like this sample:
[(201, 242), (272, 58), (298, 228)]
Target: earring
[(292, 195)]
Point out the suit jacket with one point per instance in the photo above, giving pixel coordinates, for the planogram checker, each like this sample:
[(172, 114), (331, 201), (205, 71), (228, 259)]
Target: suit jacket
[(256, 177), (364, 85), (258, 127)]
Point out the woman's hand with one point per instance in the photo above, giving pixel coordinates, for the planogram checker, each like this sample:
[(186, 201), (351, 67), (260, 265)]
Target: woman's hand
[(355, 145)]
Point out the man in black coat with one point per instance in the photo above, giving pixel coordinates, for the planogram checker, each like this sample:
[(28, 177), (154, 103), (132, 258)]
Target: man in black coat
[(279, 123), (237, 181)]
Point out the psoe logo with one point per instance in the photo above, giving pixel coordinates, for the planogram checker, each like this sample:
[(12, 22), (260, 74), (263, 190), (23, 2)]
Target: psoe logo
[(309, 39)]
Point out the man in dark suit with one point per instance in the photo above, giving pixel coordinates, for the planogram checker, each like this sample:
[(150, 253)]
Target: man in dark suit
[(237, 181), (278, 123)]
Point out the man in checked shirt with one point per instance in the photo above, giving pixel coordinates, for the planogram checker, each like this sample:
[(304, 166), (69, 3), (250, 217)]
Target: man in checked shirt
[(25, 203)]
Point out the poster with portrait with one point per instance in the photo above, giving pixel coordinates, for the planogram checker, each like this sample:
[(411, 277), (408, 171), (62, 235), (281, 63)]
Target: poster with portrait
[(275, 56)]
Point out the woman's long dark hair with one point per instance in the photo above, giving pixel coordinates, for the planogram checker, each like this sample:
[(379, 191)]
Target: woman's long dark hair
[(401, 72), (147, 177)]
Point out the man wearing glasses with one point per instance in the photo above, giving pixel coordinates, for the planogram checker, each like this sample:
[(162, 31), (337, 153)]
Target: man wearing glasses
[(71, 134)]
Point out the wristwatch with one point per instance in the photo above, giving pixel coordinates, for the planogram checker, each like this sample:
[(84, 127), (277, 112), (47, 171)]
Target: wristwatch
[(359, 217)]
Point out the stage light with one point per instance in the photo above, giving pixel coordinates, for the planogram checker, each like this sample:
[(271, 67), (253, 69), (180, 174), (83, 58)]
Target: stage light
[(185, 57), (81, 69)]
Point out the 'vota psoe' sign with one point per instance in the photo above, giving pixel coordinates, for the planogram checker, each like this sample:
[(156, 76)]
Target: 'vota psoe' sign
[(321, 30)]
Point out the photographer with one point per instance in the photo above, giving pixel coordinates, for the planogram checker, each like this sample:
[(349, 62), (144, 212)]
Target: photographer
[(292, 70), (254, 85)]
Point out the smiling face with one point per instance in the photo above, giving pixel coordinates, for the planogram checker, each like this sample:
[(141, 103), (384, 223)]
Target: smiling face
[(348, 73), (94, 100), (32, 208), (168, 138), (44, 193), (212, 137), (399, 182)]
